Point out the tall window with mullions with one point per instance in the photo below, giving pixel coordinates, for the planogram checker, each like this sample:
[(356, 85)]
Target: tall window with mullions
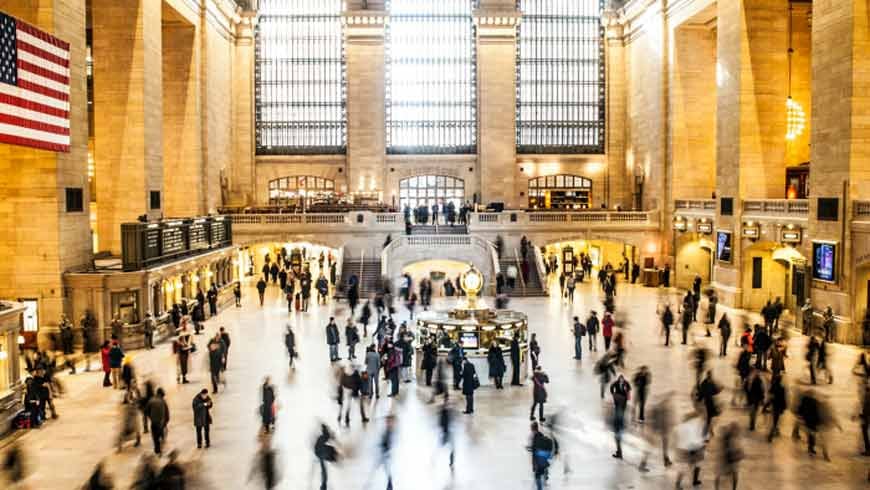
[(560, 77), (299, 78), (431, 77)]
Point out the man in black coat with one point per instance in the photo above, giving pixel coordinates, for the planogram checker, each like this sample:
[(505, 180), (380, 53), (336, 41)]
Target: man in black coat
[(515, 361), (202, 417), (215, 360), (470, 383), (158, 414), (332, 340)]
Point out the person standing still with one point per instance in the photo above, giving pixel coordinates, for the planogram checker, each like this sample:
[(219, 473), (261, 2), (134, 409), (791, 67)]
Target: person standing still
[(237, 293), (373, 365), (579, 332), (592, 330), (470, 384), (116, 358), (158, 414), (148, 329), (539, 393), (202, 417), (332, 340)]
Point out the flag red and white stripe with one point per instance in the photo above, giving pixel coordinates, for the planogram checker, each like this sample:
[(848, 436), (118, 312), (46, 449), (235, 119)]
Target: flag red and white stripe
[(34, 87)]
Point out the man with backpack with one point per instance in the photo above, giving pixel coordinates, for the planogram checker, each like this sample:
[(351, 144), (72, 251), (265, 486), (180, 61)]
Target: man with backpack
[(579, 333), (543, 449)]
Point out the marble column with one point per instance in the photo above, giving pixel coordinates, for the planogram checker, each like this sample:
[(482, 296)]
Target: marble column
[(840, 154), (366, 70), (128, 113), (752, 81), (497, 103)]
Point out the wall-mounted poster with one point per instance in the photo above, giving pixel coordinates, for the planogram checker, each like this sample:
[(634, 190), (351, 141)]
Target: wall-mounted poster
[(723, 246), (825, 261)]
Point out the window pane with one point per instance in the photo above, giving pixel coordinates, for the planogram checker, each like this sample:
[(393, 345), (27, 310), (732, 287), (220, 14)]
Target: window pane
[(299, 77), (431, 77), (560, 77)]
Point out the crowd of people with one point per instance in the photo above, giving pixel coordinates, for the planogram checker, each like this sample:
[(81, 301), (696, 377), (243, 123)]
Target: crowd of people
[(365, 360)]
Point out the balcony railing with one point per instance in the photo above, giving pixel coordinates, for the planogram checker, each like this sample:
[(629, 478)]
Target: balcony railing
[(861, 211), (695, 205), (367, 221), (794, 208)]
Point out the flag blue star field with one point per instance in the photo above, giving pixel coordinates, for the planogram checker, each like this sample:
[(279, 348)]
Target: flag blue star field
[(34, 87)]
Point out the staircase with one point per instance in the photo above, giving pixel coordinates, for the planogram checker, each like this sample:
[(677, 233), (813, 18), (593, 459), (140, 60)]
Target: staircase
[(368, 271), (532, 288), (439, 230)]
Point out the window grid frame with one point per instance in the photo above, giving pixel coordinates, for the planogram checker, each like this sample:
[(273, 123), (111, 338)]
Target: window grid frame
[(438, 190), (292, 135), (437, 132), (559, 130)]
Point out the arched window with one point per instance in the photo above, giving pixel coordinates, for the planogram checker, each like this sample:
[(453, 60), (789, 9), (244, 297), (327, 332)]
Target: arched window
[(560, 192), (429, 189), (300, 190)]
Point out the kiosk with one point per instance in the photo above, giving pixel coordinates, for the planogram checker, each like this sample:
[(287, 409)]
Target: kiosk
[(477, 327)]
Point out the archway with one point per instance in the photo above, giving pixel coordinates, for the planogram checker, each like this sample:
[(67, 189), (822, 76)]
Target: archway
[(862, 295), (770, 271), (437, 270), (560, 192), (601, 251), (694, 255), (300, 190), (426, 190)]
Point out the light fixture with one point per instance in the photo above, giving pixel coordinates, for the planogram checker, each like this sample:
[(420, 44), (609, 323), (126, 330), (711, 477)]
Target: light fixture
[(795, 116)]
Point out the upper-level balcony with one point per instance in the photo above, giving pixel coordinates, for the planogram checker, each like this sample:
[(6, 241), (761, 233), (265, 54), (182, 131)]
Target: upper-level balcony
[(254, 224), (754, 209)]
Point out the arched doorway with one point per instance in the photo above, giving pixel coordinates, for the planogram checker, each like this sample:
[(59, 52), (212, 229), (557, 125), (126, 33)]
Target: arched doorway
[(770, 271), (694, 255), (560, 192), (430, 189), (438, 271), (600, 251)]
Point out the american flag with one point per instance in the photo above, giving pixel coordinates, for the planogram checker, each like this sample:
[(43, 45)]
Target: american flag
[(34, 87)]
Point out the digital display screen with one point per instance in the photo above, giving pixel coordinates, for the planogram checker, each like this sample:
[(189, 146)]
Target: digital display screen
[(470, 340), (723, 246), (824, 261)]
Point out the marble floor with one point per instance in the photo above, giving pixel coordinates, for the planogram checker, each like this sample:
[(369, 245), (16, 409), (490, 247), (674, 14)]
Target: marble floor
[(490, 444)]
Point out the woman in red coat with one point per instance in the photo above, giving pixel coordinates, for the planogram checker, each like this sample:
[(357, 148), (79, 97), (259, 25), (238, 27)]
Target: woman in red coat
[(607, 329), (104, 356)]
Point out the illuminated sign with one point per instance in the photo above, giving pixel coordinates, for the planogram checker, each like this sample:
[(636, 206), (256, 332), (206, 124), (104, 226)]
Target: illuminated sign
[(705, 227), (791, 235)]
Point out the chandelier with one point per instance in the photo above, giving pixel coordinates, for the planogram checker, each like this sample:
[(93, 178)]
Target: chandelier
[(795, 119)]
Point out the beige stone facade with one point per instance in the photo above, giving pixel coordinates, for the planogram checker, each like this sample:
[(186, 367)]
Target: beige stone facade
[(696, 95)]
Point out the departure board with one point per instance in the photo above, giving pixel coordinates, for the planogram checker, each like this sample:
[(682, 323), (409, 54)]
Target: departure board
[(152, 243)]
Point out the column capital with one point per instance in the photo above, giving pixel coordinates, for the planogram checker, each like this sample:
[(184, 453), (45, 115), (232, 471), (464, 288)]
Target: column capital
[(496, 22), (365, 24)]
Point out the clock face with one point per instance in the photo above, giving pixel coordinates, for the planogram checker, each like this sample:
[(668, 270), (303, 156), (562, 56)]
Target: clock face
[(472, 280)]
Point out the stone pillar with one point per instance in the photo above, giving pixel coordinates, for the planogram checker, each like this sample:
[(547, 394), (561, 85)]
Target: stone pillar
[(42, 240), (621, 180), (366, 65), (497, 103), (184, 190), (242, 177), (840, 155), (752, 80), (128, 112)]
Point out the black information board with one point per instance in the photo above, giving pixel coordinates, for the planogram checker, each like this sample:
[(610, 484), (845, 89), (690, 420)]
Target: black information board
[(199, 236), (173, 240), (148, 244)]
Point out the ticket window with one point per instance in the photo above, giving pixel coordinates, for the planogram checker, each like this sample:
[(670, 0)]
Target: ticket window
[(560, 192), (125, 305)]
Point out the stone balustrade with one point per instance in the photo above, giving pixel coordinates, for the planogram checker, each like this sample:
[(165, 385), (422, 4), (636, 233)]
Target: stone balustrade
[(791, 208), (543, 220), (707, 205), (861, 210)]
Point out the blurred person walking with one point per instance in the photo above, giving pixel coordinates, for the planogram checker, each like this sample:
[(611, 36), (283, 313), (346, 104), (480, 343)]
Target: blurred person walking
[(158, 415), (539, 393)]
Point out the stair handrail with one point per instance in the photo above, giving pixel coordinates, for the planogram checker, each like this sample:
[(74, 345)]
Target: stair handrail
[(520, 269), (496, 265), (539, 265), (362, 264)]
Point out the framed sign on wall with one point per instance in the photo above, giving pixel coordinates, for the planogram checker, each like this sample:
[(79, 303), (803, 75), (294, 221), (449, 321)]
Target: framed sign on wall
[(723, 246), (825, 261)]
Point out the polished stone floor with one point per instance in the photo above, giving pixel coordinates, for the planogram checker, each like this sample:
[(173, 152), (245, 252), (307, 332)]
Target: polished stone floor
[(490, 445)]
